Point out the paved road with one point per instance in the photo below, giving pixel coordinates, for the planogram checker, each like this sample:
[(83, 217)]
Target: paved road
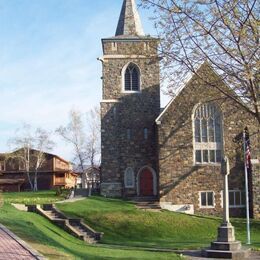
[(13, 248)]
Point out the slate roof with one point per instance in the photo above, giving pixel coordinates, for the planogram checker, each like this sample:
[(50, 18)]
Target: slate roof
[(129, 23)]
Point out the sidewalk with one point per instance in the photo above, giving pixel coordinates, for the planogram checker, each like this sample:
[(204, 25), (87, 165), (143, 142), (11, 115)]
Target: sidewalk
[(12, 247), (196, 255)]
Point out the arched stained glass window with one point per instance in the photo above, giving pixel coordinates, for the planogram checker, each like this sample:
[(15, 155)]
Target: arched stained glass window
[(132, 78), (129, 178), (207, 134)]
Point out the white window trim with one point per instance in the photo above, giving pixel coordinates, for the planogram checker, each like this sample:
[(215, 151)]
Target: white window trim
[(123, 80), (206, 163), (207, 207), (233, 206), (133, 178), (130, 91), (208, 145)]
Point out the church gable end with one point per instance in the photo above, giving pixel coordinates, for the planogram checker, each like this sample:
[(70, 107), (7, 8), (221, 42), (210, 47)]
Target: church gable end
[(189, 166)]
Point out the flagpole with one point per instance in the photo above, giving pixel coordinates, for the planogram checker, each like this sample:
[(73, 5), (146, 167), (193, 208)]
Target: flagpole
[(246, 191)]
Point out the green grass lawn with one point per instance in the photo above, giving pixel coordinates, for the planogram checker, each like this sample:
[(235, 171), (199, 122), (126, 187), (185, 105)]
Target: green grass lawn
[(123, 224), (54, 243), (39, 197)]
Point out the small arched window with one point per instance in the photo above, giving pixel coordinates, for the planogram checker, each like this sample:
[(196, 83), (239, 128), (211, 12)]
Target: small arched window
[(145, 133), (132, 78), (128, 134), (207, 134), (129, 178)]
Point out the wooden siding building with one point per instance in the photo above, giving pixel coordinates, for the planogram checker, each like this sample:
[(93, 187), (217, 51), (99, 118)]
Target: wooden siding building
[(54, 172)]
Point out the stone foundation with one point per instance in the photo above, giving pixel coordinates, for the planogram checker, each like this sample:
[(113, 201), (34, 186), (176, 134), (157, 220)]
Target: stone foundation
[(111, 189), (187, 208)]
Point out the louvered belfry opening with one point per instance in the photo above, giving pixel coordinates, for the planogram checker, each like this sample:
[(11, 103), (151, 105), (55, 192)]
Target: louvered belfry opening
[(132, 78)]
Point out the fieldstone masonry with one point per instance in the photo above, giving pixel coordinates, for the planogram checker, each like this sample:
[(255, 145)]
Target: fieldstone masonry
[(181, 180), (123, 111), (169, 147)]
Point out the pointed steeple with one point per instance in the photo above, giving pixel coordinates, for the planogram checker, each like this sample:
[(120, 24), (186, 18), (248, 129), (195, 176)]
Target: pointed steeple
[(129, 23)]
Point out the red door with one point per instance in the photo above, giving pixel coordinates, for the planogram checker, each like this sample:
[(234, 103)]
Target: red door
[(146, 183)]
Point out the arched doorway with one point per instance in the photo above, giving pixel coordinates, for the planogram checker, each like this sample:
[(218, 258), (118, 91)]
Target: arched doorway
[(146, 182)]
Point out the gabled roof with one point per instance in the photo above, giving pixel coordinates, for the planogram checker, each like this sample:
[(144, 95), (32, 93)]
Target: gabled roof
[(199, 68), (129, 23), (32, 150), (189, 77), (178, 91)]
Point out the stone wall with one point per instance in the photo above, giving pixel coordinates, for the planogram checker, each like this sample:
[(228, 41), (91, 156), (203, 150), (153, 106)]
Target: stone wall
[(122, 110), (181, 179)]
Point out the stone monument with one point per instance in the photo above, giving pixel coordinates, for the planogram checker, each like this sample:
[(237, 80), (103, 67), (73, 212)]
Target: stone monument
[(226, 245)]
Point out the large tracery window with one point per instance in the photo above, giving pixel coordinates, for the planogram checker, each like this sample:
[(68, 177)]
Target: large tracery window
[(208, 134), (132, 78)]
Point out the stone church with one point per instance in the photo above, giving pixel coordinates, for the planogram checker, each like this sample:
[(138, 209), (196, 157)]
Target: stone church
[(172, 154)]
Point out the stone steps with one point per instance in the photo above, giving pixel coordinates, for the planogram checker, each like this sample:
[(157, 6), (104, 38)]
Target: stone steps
[(76, 227), (86, 236), (145, 199), (147, 203), (224, 254)]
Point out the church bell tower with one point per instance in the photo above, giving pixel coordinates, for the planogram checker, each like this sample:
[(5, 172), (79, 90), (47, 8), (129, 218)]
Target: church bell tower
[(130, 104)]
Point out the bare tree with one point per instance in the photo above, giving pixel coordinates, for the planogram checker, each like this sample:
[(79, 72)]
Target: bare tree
[(84, 136), (74, 134), (42, 143), (93, 136), (22, 144), (29, 146), (93, 143), (223, 32)]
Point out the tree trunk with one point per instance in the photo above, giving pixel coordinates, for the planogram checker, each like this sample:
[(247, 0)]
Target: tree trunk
[(29, 179), (35, 187)]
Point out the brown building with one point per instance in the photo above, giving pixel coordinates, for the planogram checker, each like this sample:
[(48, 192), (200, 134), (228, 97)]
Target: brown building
[(54, 172), (174, 155)]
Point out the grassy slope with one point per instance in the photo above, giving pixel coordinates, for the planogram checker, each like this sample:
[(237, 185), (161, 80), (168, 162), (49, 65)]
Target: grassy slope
[(39, 197), (57, 244), (123, 224)]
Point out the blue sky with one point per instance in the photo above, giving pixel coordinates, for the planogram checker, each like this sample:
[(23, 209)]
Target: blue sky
[(48, 51)]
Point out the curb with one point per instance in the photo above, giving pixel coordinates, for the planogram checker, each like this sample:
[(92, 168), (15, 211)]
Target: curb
[(32, 251)]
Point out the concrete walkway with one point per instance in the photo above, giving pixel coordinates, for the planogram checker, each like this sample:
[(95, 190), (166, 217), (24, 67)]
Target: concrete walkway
[(13, 248), (196, 255), (71, 200)]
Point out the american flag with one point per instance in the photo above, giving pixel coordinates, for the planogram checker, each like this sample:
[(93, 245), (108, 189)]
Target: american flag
[(247, 149)]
